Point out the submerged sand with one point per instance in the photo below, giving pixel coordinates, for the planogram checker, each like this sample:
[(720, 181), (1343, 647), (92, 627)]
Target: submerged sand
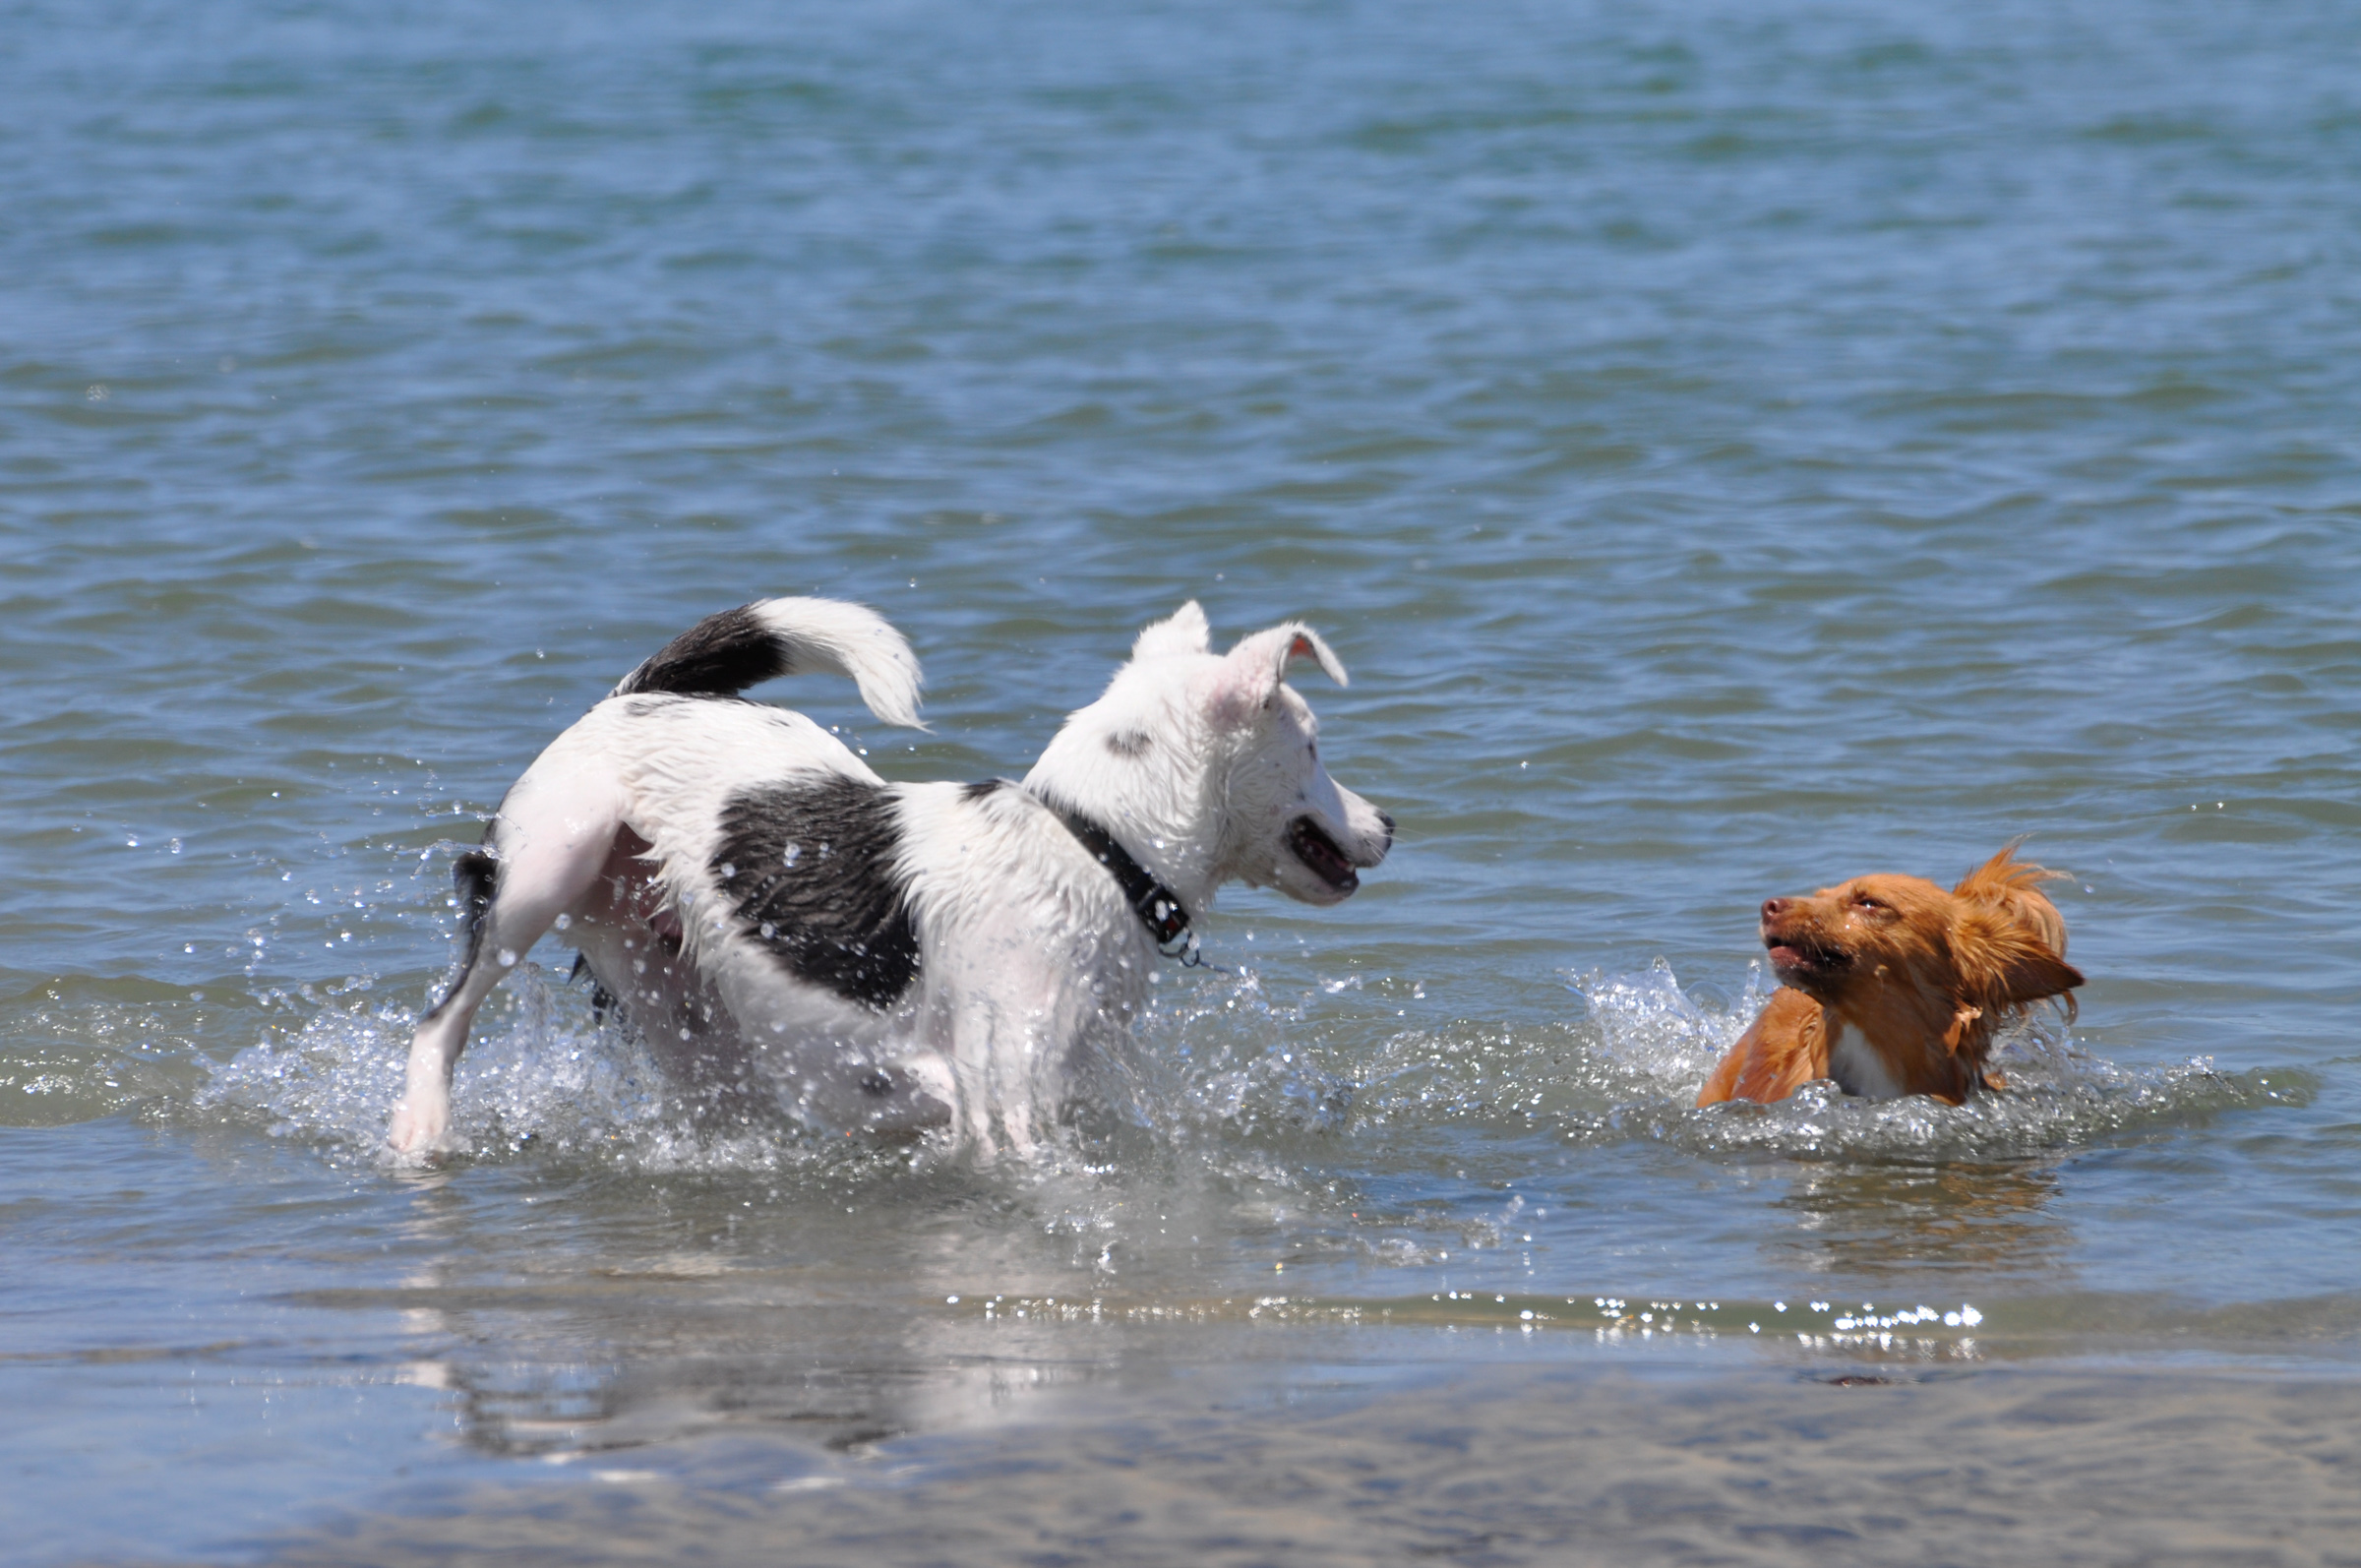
[(1491, 1465)]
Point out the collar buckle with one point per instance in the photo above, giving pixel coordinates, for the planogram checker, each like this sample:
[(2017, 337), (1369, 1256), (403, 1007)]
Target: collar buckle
[(1158, 907)]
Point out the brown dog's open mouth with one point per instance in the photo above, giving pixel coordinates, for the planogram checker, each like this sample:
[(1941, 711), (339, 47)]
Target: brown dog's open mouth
[(1317, 850), (1795, 958)]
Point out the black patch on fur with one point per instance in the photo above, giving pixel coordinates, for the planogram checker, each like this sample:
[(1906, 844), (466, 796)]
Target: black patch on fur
[(1129, 743), (476, 875), (836, 914), (602, 1000), (983, 787), (720, 656)]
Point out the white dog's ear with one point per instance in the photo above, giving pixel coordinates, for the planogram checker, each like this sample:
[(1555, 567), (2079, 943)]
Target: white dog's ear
[(1251, 671), (1184, 632)]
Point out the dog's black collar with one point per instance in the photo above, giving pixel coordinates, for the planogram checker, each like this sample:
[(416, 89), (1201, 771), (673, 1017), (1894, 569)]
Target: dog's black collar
[(1158, 907)]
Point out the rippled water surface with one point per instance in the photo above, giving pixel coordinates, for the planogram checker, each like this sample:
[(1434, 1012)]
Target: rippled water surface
[(1732, 446)]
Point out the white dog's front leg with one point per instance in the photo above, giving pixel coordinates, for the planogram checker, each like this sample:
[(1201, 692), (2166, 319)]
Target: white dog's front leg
[(1010, 1059), (968, 1033)]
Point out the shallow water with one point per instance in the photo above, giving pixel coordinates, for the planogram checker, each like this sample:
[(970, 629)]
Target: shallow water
[(1732, 448)]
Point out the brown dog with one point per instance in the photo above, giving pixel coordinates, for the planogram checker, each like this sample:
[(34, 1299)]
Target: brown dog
[(1893, 986)]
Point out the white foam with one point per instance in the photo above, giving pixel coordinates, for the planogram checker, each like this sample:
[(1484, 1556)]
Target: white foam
[(541, 1079), (2058, 1095), (1220, 1077)]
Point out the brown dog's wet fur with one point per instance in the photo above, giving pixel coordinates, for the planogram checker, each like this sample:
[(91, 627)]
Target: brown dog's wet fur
[(1893, 986)]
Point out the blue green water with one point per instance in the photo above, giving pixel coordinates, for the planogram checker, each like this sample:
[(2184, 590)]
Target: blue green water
[(1732, 446)]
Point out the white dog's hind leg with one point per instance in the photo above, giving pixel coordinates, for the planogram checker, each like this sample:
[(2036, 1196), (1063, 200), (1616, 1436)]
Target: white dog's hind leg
[(548, 846)]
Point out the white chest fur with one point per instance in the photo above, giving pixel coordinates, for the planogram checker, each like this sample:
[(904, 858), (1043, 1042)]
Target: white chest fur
[(1857, 1067)]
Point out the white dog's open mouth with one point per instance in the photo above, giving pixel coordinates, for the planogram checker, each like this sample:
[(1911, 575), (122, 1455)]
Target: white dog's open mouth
[(1317, 850)]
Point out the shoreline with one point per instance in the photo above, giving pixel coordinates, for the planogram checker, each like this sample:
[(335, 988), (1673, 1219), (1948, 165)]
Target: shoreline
[(1494, 1465)]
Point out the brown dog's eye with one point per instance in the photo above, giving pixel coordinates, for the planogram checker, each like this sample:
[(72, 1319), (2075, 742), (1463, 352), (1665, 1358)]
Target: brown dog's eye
[(1865, 901)]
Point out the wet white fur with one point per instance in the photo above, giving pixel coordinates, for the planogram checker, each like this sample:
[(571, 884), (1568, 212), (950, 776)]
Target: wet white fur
[(1858, 1068), (1196, 762)]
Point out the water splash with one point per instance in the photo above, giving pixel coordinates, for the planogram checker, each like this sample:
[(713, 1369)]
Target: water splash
[(2058, 1095), (1665, 1039), (543, 1081), (1225, 1080), (1297, 1080)]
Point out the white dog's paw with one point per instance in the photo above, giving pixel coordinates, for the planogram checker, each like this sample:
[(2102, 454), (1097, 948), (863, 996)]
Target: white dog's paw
[(417, 1134)]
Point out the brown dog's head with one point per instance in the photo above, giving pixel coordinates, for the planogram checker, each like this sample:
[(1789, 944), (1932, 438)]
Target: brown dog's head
[(1900, 953)]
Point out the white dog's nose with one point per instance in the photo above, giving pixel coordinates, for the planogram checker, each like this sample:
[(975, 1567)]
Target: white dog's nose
[(1369, 833)]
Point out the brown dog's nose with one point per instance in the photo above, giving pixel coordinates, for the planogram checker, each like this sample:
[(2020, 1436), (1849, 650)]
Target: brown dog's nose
[(1772, 908)]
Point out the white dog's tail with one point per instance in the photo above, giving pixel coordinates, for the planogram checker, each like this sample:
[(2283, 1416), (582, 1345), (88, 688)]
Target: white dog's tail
[(724, 654)]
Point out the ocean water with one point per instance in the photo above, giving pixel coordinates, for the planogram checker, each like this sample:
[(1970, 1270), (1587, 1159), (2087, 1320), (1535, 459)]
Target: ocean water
[(1733, 446)]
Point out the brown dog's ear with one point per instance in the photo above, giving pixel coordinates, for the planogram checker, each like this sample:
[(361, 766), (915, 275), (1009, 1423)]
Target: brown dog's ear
[(2004, 872), (2012, 887), (2003, 962)]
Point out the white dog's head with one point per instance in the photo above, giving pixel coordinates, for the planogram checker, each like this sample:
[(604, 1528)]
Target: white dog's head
[(1208, 766)]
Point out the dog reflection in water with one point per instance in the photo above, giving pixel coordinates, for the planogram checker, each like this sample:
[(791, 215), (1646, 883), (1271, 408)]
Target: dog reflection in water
[(1893, 986), (887, 959)]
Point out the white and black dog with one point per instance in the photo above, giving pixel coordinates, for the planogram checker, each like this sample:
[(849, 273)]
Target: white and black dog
[(771, 915)]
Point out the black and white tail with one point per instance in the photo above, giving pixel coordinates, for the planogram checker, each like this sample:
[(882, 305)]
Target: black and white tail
[(724, 654)]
